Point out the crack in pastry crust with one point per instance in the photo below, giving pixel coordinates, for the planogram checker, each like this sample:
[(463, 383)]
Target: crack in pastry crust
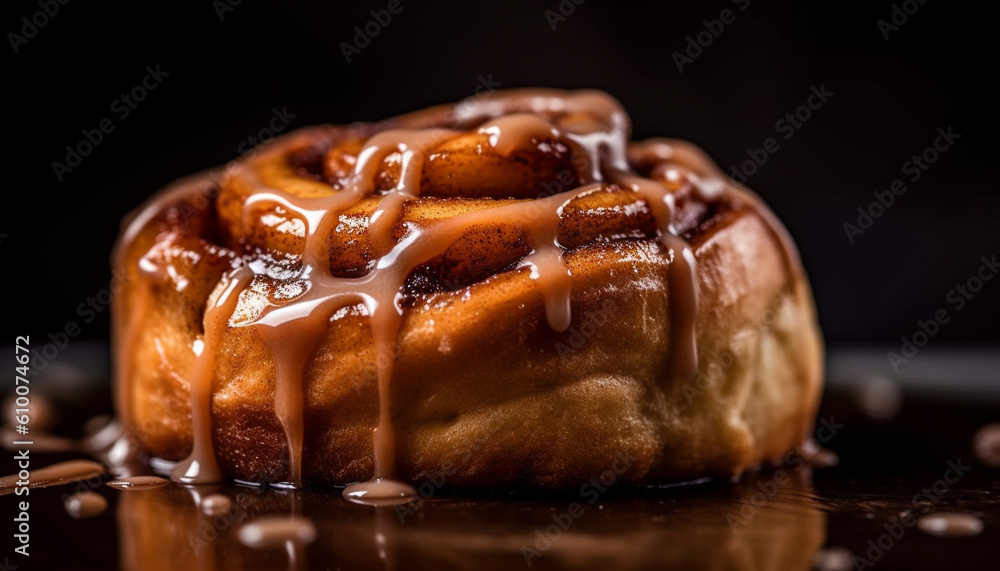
[(508, 293)]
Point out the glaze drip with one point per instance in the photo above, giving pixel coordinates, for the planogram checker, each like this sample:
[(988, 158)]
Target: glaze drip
[(202, 466), (591, 124)]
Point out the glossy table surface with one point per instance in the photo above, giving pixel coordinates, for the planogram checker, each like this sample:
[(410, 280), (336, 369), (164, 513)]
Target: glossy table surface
[(904, 452)]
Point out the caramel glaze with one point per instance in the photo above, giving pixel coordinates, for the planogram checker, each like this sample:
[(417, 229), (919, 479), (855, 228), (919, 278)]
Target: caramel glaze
[(375, 172), (137, 483), (123, 453), (202, 466), (61, 473)]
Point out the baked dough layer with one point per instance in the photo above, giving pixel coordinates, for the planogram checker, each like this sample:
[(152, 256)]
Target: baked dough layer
[(485, 394)]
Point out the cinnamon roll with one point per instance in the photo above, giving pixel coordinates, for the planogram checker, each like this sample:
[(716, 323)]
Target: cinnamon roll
[(506, 292)]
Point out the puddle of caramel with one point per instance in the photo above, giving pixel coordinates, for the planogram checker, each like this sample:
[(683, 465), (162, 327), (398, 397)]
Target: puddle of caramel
[(137, 483), (380, 492), (717, 528), (61, 473)]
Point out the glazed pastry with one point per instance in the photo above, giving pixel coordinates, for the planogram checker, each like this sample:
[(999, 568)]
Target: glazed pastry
[(506, 292)]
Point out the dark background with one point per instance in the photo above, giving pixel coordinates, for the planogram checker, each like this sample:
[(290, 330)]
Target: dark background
[(226, 76)]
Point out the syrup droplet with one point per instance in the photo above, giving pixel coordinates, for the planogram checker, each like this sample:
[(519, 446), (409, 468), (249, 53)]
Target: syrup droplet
[(83, 505), (950, 524), (986, 443), (216, 504), (880, 397), (274, 531), (380, 491), (833, 559)]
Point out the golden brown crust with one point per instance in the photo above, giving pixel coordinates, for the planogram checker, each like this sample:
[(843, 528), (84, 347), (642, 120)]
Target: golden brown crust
[(484, 390)]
